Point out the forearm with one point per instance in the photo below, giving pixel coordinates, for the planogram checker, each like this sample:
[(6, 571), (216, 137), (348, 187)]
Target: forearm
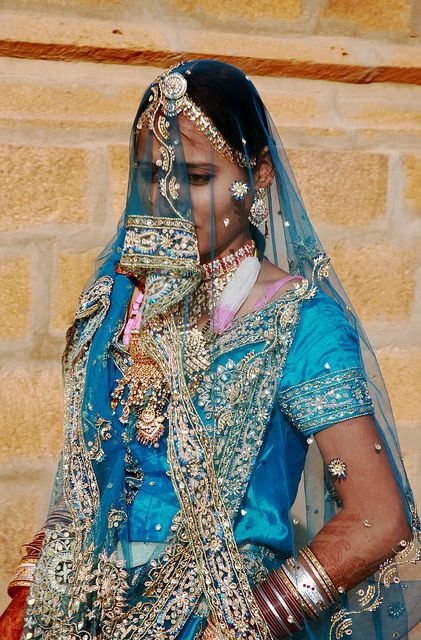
[(351, 547), (345, 552)]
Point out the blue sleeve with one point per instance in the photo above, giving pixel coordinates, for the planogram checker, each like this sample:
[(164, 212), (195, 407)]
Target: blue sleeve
[(323, 378)]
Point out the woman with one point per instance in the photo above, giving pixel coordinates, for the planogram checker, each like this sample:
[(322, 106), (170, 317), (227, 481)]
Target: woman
[(200, 377)]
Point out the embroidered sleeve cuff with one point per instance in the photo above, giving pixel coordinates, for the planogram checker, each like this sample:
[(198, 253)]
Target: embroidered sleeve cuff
[(323, 401)]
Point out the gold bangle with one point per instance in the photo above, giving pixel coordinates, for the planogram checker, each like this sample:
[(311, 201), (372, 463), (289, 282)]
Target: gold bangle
[(14, 587), (28, 559), (24, 575), (309, 555), (19, 583)]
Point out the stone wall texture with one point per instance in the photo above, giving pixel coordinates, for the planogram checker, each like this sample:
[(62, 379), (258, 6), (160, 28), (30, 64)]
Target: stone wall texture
[(342, 80)]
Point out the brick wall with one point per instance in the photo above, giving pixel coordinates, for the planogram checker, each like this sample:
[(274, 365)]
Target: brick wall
[(342, 81)]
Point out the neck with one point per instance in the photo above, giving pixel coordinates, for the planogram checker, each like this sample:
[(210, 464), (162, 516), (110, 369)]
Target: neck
[(227, 248), (223, 267)]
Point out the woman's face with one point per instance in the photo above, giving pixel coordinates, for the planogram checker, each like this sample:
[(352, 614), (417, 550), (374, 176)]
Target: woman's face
[(210, 176)]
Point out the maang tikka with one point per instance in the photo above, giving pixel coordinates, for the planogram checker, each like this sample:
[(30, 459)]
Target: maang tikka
[(259, 210)]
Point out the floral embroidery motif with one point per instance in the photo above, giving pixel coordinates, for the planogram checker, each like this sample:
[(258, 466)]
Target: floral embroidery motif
[(395, 610), (116, 517), (134, 477), (330, 398), (52, 575), (337, 468)]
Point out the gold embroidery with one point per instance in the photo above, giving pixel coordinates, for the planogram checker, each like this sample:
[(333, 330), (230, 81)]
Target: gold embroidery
[(147, 396), (371, 599), (210, 468)]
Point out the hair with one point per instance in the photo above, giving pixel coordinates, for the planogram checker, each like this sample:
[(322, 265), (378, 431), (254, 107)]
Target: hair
[(228, 97)]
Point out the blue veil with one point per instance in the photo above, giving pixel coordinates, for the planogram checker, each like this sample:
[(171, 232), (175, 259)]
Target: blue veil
[(98, 469)]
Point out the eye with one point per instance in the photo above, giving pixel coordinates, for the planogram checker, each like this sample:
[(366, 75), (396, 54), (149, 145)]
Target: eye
[(198, 179)]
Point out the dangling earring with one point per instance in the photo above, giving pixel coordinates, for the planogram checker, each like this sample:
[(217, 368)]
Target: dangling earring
[(239, 190), (259, 210)]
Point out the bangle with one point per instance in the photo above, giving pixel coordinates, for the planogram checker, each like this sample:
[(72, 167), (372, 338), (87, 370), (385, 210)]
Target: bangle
[(293, 616), (33, 548), (293, 592), (270, 612), (24, 576), (291, 584), (306, 586), (320, 573)]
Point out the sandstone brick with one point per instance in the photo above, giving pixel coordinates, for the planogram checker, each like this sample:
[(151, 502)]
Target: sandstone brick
[(32, 411), (17, 517), (59, 29), (68, 103), (399, 116), (401, 369), (347, 189), (379, 279), (42, 185), (71, 272), (125, 39), (252, 10), (412, 166), (15, 297), (119, 177), (377, 15), (287, 108)]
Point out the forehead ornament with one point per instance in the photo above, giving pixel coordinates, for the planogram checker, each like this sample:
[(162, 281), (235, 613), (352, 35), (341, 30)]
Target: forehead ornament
[(174, 86), (169, 94)]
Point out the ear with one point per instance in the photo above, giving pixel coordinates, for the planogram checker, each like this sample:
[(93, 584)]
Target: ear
[(264, 172)]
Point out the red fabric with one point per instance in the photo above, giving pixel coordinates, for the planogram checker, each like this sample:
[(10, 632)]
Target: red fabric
[(11, 622)]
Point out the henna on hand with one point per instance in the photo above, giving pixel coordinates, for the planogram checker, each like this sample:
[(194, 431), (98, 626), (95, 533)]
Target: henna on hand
[(11, 621)]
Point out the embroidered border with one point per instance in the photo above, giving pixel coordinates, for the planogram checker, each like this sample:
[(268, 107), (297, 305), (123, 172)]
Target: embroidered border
[(327, 399), (159, 242)]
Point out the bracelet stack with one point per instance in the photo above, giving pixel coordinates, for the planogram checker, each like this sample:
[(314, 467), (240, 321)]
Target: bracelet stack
[(24, 575), (299, 590)]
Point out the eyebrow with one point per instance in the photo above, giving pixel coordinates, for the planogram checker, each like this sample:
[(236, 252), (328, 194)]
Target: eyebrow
[(189, 165), (200, 165)]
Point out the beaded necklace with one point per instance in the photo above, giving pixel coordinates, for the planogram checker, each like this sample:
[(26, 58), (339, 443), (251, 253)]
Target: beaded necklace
[(148, 392)]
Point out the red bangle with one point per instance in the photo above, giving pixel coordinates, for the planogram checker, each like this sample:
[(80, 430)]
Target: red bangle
[(269, 613), (293, 604), (294, 616)]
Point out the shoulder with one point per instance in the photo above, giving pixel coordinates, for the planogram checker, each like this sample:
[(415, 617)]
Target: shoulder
[(322, 306), (320, 315), (324, 339)]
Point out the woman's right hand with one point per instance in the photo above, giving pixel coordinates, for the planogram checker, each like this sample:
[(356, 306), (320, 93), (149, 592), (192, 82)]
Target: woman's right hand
[(11, 621)]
